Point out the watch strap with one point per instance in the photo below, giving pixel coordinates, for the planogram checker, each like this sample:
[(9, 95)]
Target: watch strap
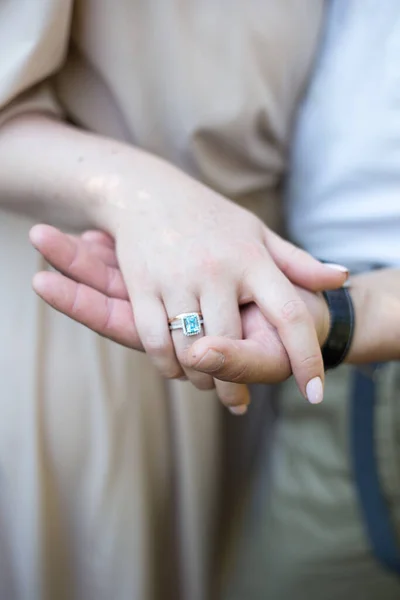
[(341, 330)]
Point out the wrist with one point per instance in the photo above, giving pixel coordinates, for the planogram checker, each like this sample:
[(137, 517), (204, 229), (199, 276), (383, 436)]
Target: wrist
[(48, 166), (366, 345), (376, 299), (100, 195), (129, 183), (108, 186)]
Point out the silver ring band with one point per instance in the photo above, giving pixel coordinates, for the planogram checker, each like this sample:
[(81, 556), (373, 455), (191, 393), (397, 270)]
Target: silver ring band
[(190, 323)]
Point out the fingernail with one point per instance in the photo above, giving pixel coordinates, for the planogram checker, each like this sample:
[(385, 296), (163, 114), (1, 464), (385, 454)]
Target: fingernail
[(211, 361), (183, 379), (347, 283), (238, 410), (315, 391), (336, 267)]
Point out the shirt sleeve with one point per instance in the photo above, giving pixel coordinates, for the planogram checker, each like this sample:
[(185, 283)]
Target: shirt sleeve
[(34, 37)]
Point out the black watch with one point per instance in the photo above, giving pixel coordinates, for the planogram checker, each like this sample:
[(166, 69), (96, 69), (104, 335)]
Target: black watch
[(341, 330)]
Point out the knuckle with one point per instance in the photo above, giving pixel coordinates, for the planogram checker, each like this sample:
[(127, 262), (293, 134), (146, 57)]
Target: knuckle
[(156, 344), (254, 250), (181, 355), (76, 303), (108, 314), (237, 374), (240, 375), (294, 311), (212, 266), (293, 257), (312, 362), (111, 279), (73, 259)]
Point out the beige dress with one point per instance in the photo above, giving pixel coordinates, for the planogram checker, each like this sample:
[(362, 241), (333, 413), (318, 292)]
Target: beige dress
[(110, 478)]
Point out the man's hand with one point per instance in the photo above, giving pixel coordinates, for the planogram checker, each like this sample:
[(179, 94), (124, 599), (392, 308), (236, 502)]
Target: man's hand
[(260, 356), (90, 289)]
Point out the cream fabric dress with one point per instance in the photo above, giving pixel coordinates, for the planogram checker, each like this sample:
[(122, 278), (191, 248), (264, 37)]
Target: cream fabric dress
[(111, 479)]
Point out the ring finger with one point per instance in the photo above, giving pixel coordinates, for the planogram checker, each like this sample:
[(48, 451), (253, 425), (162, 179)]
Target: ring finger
[(184, 314)]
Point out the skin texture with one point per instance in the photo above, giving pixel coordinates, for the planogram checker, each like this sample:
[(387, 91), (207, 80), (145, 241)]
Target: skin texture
[(181, 247), (90, 289)]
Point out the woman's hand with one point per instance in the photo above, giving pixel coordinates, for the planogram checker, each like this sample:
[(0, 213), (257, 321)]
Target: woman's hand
[(183, 248), (96, 296)]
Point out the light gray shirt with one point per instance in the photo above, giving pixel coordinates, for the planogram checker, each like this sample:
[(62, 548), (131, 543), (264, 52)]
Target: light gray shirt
[(343, 199)]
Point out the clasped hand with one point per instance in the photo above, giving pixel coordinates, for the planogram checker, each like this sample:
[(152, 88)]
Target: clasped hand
[(209, 256)]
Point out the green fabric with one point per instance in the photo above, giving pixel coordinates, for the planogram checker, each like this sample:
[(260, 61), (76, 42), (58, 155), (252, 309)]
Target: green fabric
[(300, 534)]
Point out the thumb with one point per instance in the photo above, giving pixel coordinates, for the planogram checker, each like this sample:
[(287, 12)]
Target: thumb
[(238, 361)]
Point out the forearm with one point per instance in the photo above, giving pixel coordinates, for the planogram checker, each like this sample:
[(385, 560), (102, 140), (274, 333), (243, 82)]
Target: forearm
[(57, 173), (376, 298)]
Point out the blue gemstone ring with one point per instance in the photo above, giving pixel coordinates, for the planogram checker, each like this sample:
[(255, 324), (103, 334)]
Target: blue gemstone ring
[(190, 323)]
